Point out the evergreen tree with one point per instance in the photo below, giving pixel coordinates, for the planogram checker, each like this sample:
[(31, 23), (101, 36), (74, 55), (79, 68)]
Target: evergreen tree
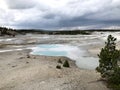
[(108, 58)]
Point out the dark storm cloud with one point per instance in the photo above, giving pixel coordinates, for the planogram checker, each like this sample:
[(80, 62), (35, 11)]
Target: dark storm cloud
[(60, 13)]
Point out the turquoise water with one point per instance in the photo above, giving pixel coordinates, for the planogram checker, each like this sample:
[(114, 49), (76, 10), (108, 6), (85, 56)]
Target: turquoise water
[(51, 53), (50, 50), (73, 52)]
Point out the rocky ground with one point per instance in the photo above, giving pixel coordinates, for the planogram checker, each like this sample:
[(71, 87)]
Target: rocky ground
[(20, 72)]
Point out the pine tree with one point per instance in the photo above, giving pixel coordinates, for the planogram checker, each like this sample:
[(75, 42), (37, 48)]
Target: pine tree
[(108, 58)]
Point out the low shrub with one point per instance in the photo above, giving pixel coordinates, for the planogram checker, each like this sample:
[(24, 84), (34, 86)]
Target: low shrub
[(58, 67), (66, 64), (28, 56), (59, 61)]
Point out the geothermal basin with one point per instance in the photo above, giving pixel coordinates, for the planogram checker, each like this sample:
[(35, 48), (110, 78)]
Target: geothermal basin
[(79, 55)]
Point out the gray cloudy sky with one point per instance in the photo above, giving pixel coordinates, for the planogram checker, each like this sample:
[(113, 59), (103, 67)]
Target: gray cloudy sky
[(59, 14)]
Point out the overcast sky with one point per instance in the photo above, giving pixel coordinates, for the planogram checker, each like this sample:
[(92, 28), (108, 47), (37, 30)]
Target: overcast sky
[(59, 14)]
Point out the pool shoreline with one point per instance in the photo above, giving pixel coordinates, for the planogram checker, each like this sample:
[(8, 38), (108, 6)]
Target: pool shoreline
[(75, 53)]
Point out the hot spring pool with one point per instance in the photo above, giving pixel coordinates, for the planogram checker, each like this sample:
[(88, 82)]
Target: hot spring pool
[(72, 52)]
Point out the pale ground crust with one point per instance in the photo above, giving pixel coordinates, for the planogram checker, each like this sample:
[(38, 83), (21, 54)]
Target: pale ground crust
[(17, 72)]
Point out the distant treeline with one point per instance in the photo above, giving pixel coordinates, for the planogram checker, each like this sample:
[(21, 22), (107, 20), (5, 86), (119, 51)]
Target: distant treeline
[(67, 32), (7, 31), (13, 32)]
